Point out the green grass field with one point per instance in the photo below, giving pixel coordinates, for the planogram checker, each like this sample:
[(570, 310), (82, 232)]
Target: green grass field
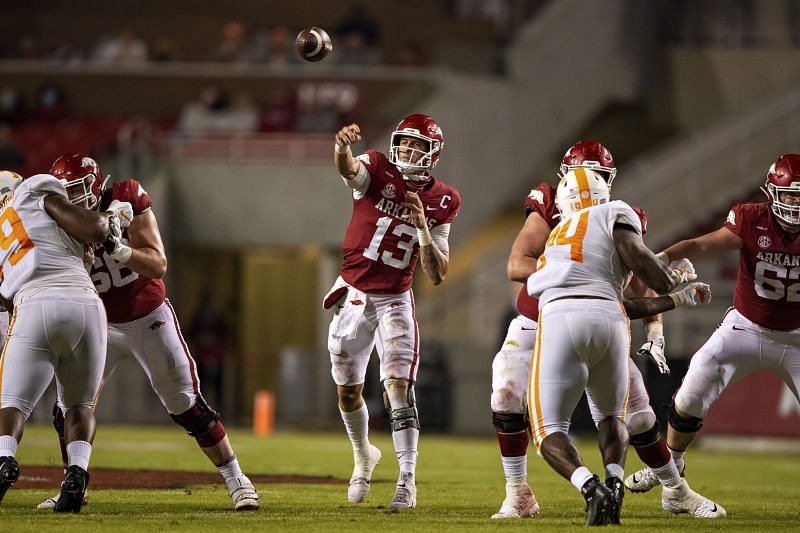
[(459, 482)]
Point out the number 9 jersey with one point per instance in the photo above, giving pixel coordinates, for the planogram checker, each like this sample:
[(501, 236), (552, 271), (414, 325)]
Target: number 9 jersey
[(35, 251), (768, 279), (380, 247)]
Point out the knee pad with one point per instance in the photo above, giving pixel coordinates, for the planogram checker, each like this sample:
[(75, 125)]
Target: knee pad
[(402, 417), (58, 420), (684, 424), (641, 422), (645, 438), (509, 422), (201, 422)]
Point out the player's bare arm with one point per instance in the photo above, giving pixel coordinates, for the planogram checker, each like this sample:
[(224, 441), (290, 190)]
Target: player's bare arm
[(527, 247), (434, 261), (705, 246), (82, 224), (343, 159), (639, 289), (147, 249), (643, 262)]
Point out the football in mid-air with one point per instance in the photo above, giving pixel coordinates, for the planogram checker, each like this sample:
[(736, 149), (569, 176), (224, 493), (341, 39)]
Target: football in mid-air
[(313, 44)]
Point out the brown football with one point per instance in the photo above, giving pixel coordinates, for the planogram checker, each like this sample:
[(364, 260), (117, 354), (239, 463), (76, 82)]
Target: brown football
[(313, 44)]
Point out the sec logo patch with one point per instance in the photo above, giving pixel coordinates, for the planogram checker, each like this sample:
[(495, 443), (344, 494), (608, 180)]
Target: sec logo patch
[(764, 241)]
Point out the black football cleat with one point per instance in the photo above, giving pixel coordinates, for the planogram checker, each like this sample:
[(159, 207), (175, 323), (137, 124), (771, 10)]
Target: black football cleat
[(73, 489), (9, 474), (599, 501), (617, 489)]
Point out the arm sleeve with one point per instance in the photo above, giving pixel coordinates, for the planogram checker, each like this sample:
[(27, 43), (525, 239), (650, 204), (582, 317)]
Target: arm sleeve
[(440, 234), (360, 183)]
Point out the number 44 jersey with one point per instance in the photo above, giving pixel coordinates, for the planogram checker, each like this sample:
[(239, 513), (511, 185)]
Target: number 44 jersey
[(768, 280), (126, 294), (380, 247)]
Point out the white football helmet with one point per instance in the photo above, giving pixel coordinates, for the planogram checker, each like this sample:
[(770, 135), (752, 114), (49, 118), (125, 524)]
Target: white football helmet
[(580, 188), (8, 183)]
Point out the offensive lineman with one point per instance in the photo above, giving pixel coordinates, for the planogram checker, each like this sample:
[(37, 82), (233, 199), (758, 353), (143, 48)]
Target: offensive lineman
[(511, 365), (58, 325), (762, 329), (583, 335), (400, 213), (143, 324)]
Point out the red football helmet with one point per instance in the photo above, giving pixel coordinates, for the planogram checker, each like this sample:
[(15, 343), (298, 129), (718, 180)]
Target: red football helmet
[(592, 155), (82, 178), (420, 127), (784, 177)]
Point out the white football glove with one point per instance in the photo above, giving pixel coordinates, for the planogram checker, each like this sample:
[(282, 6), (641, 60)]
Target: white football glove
[(124, 210), (113, 244), (683, 269), (654, 349), (692, 295)]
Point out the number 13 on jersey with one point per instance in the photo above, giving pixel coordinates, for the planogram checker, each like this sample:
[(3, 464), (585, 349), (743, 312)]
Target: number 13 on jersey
[(404, 246)]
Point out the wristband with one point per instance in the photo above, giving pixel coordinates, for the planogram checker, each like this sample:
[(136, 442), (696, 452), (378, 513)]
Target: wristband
[(663, 257), (424, 237), (123, 254), (341, 149), (677, 299), (655, 329)]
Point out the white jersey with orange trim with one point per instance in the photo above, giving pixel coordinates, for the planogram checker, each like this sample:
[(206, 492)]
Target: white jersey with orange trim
[(580, 258), (34, 251)]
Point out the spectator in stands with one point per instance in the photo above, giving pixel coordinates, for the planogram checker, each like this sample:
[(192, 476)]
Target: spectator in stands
[(11, 105), (51, 103), (279, 111), (280, 47), (214, 112), (411, 54), (10, 157), (163, 50), (124, 49), (232, 48), (358, 38)]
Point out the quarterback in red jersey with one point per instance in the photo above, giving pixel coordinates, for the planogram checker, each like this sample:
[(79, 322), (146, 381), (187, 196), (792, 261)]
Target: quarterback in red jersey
[(142, 323), (762, 329), (400, 214), (511, 365)]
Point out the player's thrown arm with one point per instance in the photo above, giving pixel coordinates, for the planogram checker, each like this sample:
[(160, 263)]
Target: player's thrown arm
[(347, 165), (433, 256), (527, 247), (147, 256), (704, 246), (643, 262), (80, 223)]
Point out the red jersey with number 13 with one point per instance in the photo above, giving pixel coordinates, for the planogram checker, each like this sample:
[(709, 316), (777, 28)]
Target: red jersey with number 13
[(125, 294), (380, 249)]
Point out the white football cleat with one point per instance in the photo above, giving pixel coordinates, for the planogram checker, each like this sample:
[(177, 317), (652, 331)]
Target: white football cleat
[(362, 473), (642, 480), (405, 494), (243, 494), (49, 503), (521, 505), (682, 499)]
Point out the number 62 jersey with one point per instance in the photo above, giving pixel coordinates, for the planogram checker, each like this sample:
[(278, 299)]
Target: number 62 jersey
[(768, 279), (380, 248)]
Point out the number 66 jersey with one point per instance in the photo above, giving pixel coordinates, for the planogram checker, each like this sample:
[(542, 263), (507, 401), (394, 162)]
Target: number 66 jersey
[(380, 248), (768, 279)]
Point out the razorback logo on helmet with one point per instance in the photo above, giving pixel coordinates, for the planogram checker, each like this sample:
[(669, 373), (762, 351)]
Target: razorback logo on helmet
[(418, 162), (592, 155), (782, 187)]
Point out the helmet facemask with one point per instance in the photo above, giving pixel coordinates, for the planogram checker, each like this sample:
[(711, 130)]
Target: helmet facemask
[(419, 162), (787, 214), (81, 191)]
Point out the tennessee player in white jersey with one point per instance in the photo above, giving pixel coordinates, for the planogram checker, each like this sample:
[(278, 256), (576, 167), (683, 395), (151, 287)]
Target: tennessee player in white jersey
[(583, 337), (58, 326)]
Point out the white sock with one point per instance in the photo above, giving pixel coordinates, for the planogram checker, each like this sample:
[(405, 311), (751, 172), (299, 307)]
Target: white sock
[(230, 470), (668, 474), (405, 444), (515, 470), (357, 425), (8, 446), (678, 458), (614, 470), (78, 453), (580, 476)]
